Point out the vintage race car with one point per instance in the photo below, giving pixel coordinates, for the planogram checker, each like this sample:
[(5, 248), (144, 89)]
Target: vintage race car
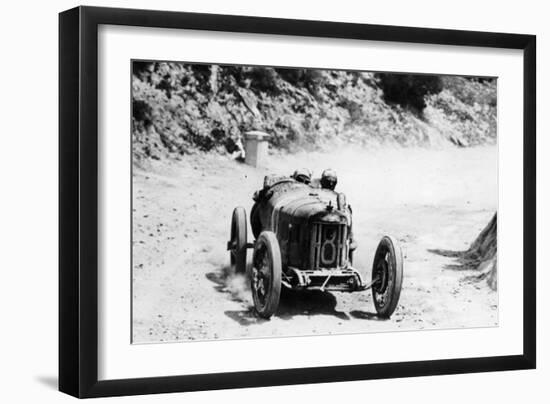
[(303, 239)]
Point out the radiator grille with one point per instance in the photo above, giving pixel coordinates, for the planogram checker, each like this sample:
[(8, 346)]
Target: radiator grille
[(327, 245)]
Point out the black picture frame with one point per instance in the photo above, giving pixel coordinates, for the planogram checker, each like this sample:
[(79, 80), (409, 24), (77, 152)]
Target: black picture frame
[(78, 201)]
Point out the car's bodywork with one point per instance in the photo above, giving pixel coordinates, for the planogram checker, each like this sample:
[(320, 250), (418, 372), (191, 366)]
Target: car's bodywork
[(303, 239), (314, 230)]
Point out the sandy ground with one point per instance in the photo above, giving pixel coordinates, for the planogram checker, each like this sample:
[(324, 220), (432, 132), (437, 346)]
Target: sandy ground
[(427, 199)]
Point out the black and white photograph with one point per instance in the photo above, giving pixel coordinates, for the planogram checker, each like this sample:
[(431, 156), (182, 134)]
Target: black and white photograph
[(296, 201)]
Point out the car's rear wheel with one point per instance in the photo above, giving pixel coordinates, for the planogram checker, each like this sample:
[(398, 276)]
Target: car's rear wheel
[(237, 249), (265, 278), (255, 221), (387, 275)]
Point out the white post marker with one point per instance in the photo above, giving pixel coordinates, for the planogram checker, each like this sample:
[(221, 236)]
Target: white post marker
[(255, 147)]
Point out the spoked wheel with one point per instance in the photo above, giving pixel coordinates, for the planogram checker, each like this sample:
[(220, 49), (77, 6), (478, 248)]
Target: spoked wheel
[(387, 276), (237, 242), (266, 274)]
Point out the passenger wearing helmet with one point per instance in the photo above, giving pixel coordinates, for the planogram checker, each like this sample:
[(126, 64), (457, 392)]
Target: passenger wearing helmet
[(329, 179), (302, 175)]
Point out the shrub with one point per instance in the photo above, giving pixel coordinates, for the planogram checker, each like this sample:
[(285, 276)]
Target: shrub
[(408, 90), (264, 79), (142, 112), (140, 68), (311, 79), (473, 90)]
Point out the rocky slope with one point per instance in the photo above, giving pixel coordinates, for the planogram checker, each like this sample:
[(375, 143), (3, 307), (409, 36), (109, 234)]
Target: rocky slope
[(180, 108)]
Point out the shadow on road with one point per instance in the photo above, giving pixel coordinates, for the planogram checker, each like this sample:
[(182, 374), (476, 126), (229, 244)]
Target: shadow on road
[(462, 262), (292, 304), (365, 315), (446, 253), (308, 303)]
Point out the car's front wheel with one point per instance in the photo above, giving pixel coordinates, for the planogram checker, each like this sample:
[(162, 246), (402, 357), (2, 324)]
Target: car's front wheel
[(387, 276), (265, 277)]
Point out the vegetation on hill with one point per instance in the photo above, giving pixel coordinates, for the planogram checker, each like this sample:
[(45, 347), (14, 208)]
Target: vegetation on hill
[(178, 108), (480, 257), (482, 254)]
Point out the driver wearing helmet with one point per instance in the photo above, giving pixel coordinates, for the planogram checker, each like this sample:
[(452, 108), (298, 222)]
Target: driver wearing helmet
[(329, 179), (302, 175)]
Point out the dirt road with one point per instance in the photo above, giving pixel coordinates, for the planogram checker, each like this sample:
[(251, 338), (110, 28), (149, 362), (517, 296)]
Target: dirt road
[(427, 199)]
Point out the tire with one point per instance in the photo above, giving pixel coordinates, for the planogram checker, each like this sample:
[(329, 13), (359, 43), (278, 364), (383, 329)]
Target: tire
[(237, 254), (265, 277), (388, 269)]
